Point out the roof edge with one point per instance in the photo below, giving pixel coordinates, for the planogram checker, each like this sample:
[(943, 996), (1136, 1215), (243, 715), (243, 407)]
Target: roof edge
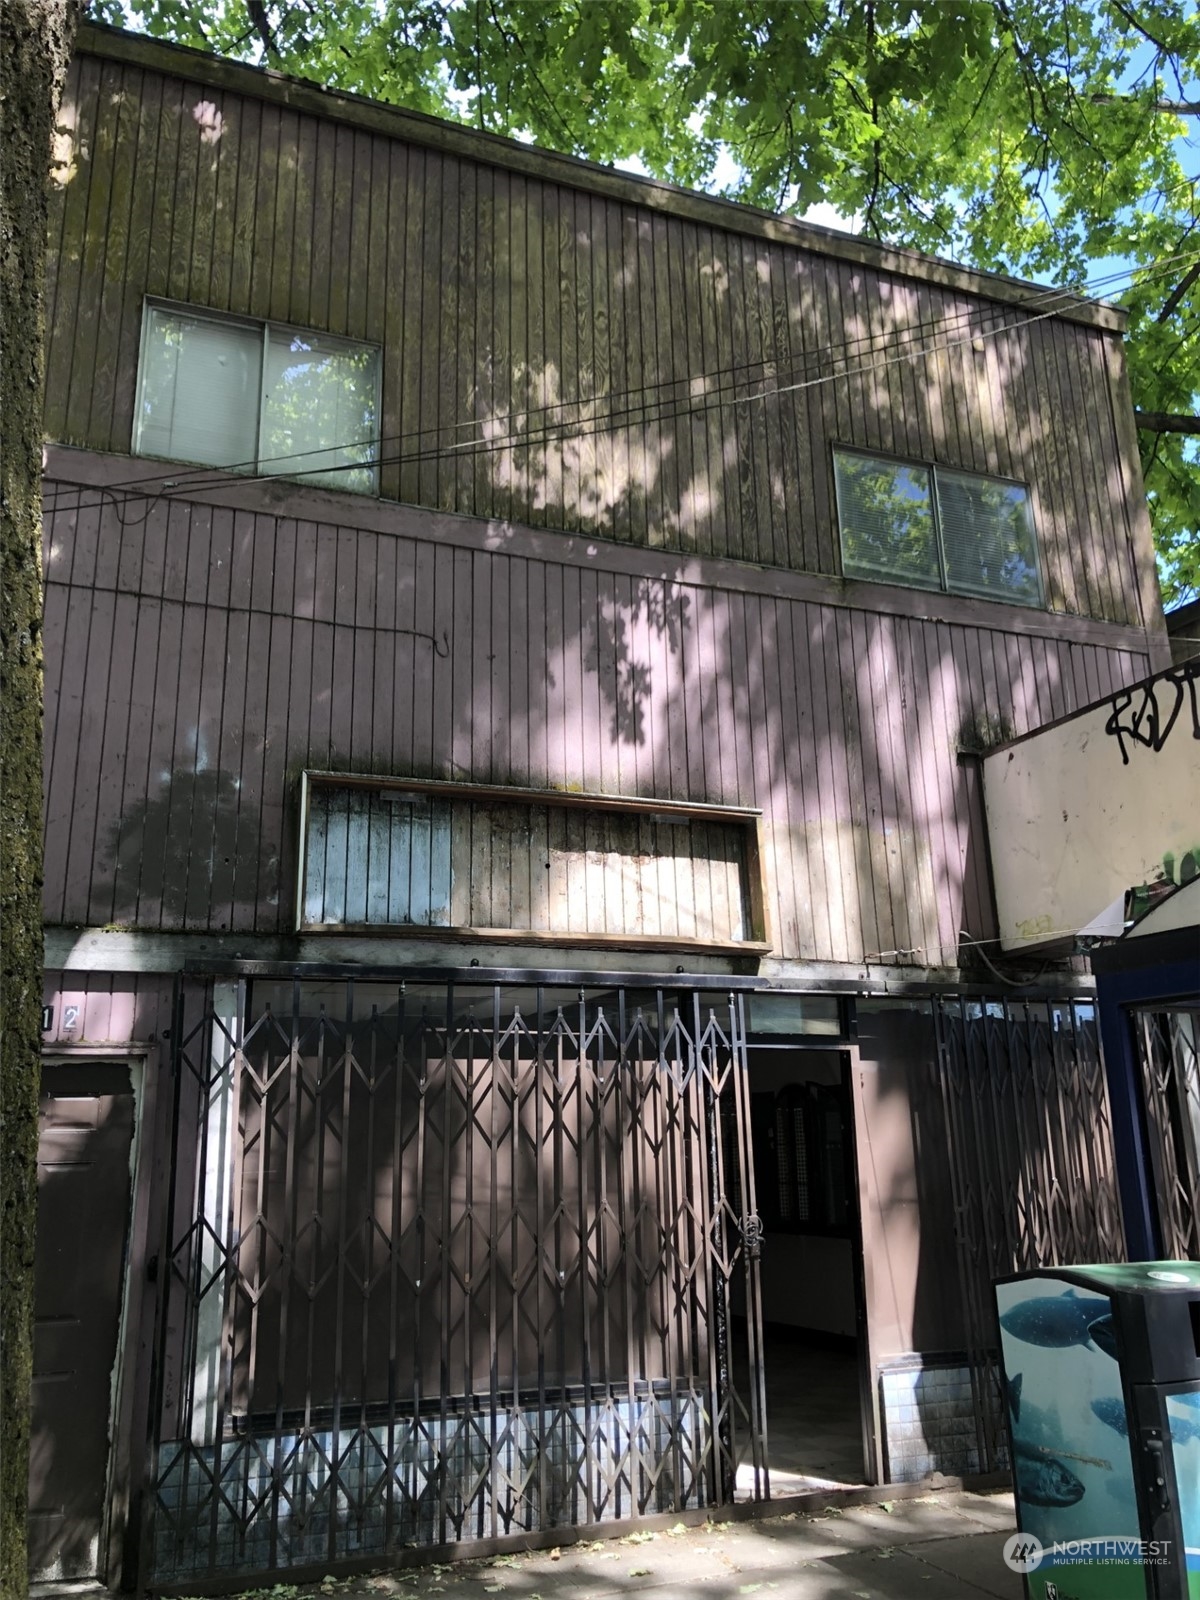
[(414, 127)]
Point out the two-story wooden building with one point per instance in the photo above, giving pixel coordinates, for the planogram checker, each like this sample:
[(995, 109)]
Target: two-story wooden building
[(524, 998)]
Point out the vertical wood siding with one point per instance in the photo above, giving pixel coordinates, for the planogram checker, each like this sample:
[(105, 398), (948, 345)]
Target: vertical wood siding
[(382, 857), (93, 1008), (562, 359), (199, 658)]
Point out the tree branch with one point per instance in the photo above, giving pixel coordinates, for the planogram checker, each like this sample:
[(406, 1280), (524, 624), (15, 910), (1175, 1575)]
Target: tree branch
[(262, 26), (1166, 422), (984, 92), (1178, 108), (1178, 292), (512, 37), (870, 221), (1131, 18)]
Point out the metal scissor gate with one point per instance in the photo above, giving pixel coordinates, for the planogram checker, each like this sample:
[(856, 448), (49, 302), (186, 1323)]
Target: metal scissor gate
[(1033, 1175), (1167, 1039), (448, 1260)]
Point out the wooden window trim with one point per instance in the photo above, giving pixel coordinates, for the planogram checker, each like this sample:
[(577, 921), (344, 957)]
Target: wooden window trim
[(760, 943)]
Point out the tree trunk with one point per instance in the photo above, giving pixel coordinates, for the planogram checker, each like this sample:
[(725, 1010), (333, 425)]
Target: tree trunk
[(34, 51)]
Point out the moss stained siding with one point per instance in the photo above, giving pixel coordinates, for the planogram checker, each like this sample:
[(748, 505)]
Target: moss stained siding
[(568, 347), (627, 583)]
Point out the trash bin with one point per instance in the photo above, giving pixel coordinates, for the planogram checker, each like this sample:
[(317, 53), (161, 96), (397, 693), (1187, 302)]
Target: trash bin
[(1101, 1389)]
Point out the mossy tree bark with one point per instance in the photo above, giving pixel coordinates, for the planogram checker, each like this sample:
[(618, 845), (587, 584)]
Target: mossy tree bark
[(35, 45)]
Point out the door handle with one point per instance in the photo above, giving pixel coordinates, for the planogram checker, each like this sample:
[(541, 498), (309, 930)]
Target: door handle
[(1156, 1475)]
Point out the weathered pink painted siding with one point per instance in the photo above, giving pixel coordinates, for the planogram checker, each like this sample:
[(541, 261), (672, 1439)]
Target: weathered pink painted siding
[(562, 357), (96, 1008), (198, 657), (647, 620)]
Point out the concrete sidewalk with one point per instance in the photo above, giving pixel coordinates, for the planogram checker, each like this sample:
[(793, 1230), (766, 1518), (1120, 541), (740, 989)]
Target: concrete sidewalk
[(942, 1546)]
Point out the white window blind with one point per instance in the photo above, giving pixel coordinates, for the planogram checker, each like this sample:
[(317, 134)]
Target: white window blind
[(932, 528), (258, 397), (200, 390), (987, 537), (886, 513)]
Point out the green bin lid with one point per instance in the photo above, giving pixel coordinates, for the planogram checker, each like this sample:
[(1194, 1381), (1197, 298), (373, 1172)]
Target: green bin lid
[(1140, 1276)]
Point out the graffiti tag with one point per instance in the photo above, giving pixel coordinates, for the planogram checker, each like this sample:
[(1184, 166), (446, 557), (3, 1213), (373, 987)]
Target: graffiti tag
[(1147, 714)]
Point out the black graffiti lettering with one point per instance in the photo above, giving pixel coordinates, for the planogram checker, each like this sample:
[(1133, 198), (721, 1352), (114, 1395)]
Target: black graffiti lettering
[(1154, 709)]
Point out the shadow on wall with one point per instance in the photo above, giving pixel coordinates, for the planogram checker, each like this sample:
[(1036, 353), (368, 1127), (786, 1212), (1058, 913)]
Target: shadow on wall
[(840, 726), (702, 430), (971, 1124), (577, 362), (190, 855), (614, 636)]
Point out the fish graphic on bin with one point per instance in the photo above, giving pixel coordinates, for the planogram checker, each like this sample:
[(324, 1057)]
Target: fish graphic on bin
[(1105, 1435)]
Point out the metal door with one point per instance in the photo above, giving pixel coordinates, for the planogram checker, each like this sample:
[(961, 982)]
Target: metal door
[(84, 1138), (449, 1261)]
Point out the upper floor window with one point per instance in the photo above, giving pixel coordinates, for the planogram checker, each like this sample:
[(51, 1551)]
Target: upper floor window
[(258, 397), (936, 529)]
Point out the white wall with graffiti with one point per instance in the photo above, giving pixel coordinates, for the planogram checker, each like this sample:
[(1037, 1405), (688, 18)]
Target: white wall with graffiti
[(1103, 804)]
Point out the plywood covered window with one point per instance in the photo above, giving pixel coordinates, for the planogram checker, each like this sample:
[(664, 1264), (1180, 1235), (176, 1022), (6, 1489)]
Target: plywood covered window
[(936, 529), (400, 856), (258, 397)]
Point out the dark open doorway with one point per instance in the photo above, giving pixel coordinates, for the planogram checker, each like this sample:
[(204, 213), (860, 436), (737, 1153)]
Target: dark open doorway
[(802, 1130)]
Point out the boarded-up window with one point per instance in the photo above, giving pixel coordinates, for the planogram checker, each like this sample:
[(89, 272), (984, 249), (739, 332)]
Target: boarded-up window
[(524, 864)]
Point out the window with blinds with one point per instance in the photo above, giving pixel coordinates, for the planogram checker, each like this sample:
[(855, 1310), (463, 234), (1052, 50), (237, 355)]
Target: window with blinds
[(936, 529), (258, 397), (886, 513), (987, 538)]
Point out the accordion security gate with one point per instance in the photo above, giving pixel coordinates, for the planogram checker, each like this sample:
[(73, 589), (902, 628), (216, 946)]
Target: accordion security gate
[(447, 1262), (1029, 1137), (1168, 1051)]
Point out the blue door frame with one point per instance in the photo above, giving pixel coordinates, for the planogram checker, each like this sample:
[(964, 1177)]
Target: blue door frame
[(1159, 968)]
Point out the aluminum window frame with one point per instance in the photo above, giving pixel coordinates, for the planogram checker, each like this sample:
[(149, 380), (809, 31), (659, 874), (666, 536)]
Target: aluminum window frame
[(945, 584), (264, 327)]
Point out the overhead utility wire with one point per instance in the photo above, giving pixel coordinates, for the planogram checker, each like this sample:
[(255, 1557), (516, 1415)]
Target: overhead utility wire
[(792, 365), (633, 416), (910, 331), (203, 477)]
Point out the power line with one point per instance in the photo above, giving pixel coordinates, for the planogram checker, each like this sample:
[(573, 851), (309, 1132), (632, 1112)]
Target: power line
[(715, 380), (203, 477), (638, 414)]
